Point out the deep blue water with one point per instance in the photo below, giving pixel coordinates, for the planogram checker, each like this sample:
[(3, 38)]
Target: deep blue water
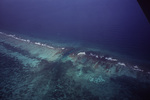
[(118, 25)]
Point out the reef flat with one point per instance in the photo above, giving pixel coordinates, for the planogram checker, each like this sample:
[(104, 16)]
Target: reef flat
[(32, 70)]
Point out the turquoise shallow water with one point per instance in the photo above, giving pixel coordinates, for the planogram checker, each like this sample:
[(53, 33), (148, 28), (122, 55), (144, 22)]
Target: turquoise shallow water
[(36, 69), (63, 41), (74, 50)]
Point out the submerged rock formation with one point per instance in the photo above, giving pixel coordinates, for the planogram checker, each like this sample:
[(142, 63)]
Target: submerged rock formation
[(31, 70)]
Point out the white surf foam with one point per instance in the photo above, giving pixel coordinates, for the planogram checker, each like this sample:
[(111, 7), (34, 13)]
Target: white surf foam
[(122, 64), (28, 41), (137, 68), (81, 53), (94, 55), (110, 59), (45, 45)]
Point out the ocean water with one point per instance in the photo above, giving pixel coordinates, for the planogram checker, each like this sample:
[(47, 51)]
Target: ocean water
[(74, 50)]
